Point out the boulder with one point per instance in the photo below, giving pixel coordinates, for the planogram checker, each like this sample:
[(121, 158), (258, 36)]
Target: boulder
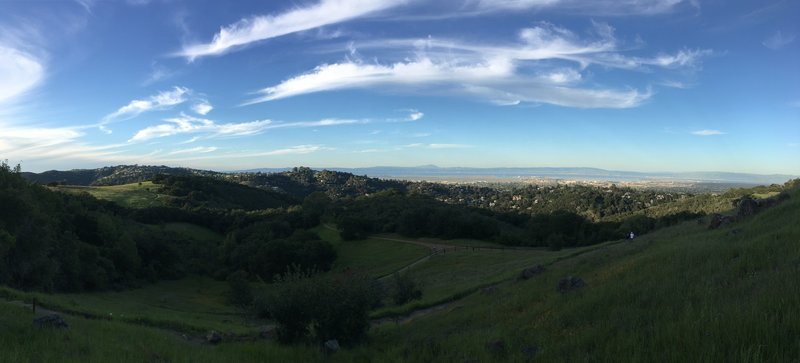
[(266, 332), (530, 352), (213, 337), (50, 321), (718, 220), (331, 346), (747, 206), (570, 283), (496, 346), (531, 271)]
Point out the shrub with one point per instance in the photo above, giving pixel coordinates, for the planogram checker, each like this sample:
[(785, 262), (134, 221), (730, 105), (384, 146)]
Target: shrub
[(320, 307), (404, 289), (239, 292)]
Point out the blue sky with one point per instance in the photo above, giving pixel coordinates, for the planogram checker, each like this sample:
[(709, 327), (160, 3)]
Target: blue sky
[(644, 85)]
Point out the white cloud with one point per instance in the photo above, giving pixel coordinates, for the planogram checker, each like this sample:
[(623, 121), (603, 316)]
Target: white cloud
[(595, 7), (415, 115), (707, 132), (19, 73), (438, 146), (500, 74), (258, 28), (185, 124), (195, 150), (188, 124), (778, 40), (160, 101), (294, 150), (202, 108)]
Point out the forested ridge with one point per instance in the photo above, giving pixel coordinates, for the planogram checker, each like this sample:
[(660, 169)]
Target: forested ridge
[(74, 242)]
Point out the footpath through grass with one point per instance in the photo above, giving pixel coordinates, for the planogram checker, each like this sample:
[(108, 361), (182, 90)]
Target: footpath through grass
[(192, 305), (683, 294)]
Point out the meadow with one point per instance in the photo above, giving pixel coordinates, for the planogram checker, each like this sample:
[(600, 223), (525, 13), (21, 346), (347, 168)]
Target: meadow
[(683, 293)]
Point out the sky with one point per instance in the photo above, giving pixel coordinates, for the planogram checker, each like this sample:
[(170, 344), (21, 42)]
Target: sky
[(637, 85)]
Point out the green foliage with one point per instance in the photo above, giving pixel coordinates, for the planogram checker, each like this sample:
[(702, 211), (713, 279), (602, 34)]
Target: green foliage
[(404, 288), (239, 293), (321, 307), (206, 192)]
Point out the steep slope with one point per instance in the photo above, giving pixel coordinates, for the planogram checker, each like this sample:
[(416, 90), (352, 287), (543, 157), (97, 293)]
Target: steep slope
[(685, 293)]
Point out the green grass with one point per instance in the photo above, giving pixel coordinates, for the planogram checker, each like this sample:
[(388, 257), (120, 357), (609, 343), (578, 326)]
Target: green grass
[(453, 242), (678, 295), (681, 294), (192, 304), (452, 275), (373, 256), (134, 195), (193, 231), (88, 341)]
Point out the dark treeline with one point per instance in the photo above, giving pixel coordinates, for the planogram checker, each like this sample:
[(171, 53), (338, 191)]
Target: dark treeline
[(415, 215), (211, 193), (64, 242)]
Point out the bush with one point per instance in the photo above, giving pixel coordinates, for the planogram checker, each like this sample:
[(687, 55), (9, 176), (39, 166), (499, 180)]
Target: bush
[(320, 307), (405, 289), (239, 292)]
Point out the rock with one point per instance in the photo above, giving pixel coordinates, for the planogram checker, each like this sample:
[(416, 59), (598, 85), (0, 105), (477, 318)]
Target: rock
[(530, 352), (747, 207), (266, 332), (496, 346), (50, 321), (718, 220), (331, 346), (213, 337), (570, 283), (531, 271)]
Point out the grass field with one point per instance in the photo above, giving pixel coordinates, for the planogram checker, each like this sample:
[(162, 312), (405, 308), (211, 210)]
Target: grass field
[(192, 305), (134, 195), (680, 294), (373, 256)]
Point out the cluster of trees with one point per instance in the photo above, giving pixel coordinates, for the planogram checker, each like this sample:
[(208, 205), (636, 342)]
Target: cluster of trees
[(320, 307), (205, 192), (416, 215), (66, 242), (60, 242)]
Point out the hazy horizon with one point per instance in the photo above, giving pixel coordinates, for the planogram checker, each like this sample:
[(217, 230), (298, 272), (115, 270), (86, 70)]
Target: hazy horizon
[(638, 85)]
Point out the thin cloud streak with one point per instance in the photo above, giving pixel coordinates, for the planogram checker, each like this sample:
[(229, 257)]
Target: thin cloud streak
[(160, 101), (707, 132), (494, 73), (259, 28), (20, 72)]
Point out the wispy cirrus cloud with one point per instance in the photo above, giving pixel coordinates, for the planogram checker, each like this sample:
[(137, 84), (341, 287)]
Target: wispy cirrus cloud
[(258, 28), (497, 73), (596, 7), (438, 146), (20, 72), (778, 40), (202, 108), (707, 132), (160, 101), (294, 150), (195, 150), (186, 124)]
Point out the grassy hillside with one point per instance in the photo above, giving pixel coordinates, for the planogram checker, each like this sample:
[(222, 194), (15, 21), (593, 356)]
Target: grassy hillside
[(683, 293), (134, 195)]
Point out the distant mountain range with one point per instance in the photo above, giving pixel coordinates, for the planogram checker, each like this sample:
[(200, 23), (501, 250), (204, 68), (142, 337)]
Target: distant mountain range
[(554, 173), (132, 173)]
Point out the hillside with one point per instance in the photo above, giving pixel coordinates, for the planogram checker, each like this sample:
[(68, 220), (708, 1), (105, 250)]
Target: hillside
[(684, 293)]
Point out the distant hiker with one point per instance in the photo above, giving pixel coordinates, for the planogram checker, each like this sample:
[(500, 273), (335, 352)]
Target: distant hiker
[(630, 236)]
